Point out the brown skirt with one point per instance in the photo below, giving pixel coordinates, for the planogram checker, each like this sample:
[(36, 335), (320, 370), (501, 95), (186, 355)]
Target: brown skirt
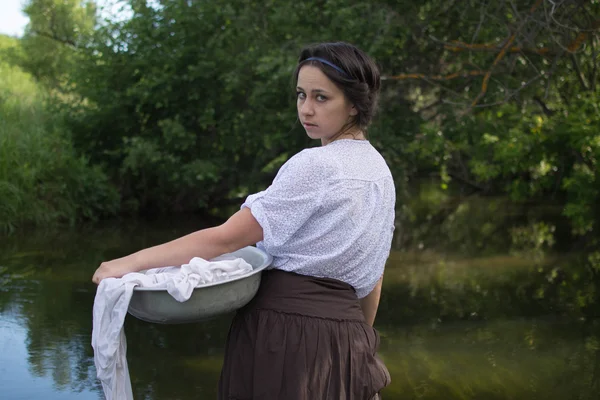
[(301, 338)]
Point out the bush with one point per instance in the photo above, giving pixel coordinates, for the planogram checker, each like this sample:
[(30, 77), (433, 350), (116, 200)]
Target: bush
[(42, 179)]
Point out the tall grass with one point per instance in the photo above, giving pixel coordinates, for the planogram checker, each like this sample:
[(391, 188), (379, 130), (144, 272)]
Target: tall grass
[(42, 180)]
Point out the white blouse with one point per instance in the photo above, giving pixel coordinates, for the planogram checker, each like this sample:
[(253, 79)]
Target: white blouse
[(329, 213)]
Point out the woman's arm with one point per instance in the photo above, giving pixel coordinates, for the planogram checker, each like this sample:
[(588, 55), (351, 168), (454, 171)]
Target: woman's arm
[(370, 303), (239, 231)]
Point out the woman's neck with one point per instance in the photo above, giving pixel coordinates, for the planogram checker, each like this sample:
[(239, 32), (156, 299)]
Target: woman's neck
[(355, 134)]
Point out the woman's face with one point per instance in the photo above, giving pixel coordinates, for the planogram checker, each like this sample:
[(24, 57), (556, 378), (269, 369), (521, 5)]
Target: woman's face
[(323, 109)]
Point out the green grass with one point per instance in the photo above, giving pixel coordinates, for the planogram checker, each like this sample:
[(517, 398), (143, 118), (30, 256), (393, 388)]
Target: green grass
[(42, 179)]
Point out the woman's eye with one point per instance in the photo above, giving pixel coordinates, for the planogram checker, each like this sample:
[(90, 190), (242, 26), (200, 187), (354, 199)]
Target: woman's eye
[(321, 98), (300, 95)]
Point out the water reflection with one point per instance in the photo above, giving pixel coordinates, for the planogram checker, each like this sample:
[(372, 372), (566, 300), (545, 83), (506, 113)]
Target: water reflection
[(53, 378), (548, 359), (497, 327)]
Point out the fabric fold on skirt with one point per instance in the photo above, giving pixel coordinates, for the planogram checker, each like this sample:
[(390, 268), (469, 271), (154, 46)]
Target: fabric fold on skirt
[(302, 338)]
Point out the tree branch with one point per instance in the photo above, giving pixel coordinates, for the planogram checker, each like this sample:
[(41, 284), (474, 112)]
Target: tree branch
[(501, 54), (457, 46), (582, 36), (430, 106), (578, 71), (461, 74), (551, 73), (594, 72), (481, 19), (488, 74), (55, 38), (466, 181), (544, 107)]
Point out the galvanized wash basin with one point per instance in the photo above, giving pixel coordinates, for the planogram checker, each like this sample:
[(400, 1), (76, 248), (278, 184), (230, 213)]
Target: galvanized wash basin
[(207, 301)]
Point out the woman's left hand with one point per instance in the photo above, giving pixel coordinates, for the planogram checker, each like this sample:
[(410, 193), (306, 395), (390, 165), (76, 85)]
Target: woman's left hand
[(113, 269)]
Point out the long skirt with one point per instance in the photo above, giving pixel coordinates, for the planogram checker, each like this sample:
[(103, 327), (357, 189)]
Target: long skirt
[(302, 338)]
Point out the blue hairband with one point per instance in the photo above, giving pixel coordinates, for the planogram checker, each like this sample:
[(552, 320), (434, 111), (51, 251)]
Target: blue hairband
[(332, 65)]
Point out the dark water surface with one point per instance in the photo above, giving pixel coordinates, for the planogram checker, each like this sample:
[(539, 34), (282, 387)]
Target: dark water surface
[(452, 327)]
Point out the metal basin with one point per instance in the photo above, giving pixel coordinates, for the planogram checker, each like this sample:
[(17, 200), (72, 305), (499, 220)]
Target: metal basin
[(207, 301)]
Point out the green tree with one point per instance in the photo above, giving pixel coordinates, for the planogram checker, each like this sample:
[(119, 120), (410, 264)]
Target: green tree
[(511, 103), (43, 180), (57, 29), (191, 105)]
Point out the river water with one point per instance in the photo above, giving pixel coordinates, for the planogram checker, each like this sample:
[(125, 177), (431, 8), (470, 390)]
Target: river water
[(453, 326)]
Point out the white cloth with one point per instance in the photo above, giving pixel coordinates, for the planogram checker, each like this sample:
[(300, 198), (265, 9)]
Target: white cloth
[(112, 301), (329, 213)]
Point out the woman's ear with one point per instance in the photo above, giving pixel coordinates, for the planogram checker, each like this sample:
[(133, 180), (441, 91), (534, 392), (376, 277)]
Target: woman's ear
[(353, 111)]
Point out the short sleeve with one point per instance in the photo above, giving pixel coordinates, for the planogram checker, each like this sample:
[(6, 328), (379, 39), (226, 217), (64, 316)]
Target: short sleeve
[(293, 197)]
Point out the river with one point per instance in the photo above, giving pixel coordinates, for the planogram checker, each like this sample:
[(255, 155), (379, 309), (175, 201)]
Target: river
[(453, 326)]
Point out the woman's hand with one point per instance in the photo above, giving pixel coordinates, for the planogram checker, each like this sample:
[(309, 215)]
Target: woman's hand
[(113, 269)]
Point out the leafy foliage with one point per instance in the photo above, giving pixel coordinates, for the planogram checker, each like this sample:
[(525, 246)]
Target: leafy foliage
[(42, 179), (189, 105)]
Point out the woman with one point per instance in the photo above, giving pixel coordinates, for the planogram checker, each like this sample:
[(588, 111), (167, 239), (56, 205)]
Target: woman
[(327, 220)]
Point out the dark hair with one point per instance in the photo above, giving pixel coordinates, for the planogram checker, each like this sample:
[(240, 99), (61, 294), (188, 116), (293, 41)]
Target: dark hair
[(360, 83)]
